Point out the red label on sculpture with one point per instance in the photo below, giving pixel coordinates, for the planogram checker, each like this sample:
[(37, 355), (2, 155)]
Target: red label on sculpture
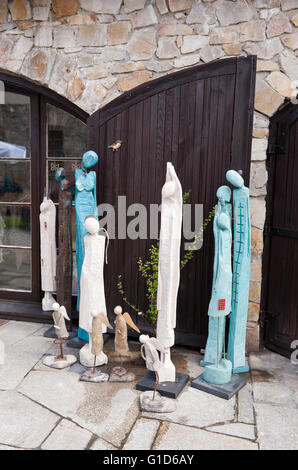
[(221, 304)]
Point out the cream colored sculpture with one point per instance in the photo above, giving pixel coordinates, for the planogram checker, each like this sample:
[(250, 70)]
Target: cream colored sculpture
[(96, 349), (92, 298), (169, 270), (152, 400), (48, 254), (61, 361), (119, 374)]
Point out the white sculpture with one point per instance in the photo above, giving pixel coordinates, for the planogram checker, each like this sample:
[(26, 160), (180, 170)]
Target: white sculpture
[(92, 298), (96, 349), (169, 270), (61, 361), (48, 253)]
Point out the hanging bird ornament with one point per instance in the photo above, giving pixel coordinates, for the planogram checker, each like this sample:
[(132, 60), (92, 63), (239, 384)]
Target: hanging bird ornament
[(119, 373), (61, 361), (116, 145)]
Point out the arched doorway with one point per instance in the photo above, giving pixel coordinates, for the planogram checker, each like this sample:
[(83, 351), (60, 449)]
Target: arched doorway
[(39, 130), (280, 260)]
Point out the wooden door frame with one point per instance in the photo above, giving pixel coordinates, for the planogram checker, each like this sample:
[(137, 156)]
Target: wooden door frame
[(276, 146)]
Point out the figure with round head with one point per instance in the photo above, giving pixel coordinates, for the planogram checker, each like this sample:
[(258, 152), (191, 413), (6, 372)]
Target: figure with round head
[(92, 298), (85, 204), (119, 374)]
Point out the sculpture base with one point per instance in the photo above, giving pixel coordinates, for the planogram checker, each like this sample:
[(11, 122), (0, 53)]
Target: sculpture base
[(241, 369), (94, 376), (225, 391), (78, 343), (167, 389), (87, 358), (158, 405), (218, 374), (119, 374), (56, 363), (51, 333)]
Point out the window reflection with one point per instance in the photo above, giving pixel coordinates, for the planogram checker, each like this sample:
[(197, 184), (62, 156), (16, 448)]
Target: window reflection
[(15, 126), (69, 167), (15, 269), (15, 226), (14, 181)]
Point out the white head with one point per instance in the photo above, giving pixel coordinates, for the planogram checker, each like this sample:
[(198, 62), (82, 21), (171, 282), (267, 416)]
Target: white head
[(94, 314), (55, 307), (91, 224), (118, 310), (143, 338)]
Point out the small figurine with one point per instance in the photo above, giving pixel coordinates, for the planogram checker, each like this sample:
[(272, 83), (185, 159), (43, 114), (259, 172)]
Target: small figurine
[(119, 374), (96, 349), (152, 400), (61, 361), (116, 145), (48, 254)]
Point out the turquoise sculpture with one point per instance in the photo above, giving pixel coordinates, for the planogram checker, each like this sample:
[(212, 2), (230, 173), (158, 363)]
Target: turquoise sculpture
[(218, 370), (241, 273), (85, 204)]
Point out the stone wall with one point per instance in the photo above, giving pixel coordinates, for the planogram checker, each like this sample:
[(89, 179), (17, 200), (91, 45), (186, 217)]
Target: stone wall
[(93, 50)]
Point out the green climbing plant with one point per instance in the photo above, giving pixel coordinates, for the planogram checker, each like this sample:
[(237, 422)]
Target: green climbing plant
[(148, 270)]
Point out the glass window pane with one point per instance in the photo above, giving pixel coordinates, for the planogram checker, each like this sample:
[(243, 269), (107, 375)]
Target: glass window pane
[(14, 181), (15, 225), (15, 269), (69, 167), (66, 134), (15, 126)]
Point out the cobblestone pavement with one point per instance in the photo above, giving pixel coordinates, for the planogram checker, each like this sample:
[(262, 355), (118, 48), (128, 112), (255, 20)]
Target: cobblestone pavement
[(42, 408)]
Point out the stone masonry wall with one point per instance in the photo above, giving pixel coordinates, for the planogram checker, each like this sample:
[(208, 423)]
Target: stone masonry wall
[(93, 50)]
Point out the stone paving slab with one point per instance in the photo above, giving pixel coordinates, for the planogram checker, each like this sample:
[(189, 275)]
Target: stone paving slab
[(273, 392), (9, 448), (245, 405), (109, 410), (176, 437), (198, 409), (14, 331), (67, 436), (20, 358), (23, 423), (100, 444), (142, 435), (246, 431), (277, 427)]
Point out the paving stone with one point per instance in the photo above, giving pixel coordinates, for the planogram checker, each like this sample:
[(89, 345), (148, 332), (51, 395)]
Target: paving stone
[(142, 435), (206, 409), (272, 392), (19, 359), (245, 405), (108, 410), (273, 364), (67, 436), (65, 7), (100, 444), (277, 427), (246, 431), (177, 437), (23, 423), (9, 448), (187, 362), (14, 331)]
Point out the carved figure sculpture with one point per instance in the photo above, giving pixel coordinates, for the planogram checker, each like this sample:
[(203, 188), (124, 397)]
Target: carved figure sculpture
[(48, 254), (241, 273), (92, 298), (217, 369), (169, 269), (119, 374)]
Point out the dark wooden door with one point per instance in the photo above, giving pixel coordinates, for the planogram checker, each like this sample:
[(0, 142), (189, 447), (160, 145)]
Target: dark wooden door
[(199, 119), (280, 265)]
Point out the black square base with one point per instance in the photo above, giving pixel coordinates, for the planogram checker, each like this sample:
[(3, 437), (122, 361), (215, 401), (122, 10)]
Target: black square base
[(167, 389), (225, 391), (51, 333), (77, 343)]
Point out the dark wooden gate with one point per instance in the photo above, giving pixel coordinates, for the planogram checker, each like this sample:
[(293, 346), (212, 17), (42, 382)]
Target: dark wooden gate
[(280, 261), (200, 119)]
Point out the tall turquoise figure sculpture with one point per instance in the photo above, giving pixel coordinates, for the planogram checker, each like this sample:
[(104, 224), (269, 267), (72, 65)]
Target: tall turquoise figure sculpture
[(218, 370), (85, 204), (241, 272)]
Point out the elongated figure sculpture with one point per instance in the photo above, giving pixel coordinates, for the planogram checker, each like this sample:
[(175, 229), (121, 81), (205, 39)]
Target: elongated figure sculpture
[(85, 204), (92, 298), (48, 253), (218, 370), (61, 361), (96, 349), (169, 270), (120, 374), (241, 273)]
